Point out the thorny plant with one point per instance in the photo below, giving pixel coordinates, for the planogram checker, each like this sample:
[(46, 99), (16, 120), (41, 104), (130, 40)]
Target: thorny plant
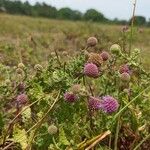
[(94, 100)]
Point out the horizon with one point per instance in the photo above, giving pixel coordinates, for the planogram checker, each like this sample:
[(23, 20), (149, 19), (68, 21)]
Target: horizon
[(116, 9)]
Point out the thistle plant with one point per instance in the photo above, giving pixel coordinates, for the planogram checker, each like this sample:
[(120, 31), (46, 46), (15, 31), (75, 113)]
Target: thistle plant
[(95, 99)]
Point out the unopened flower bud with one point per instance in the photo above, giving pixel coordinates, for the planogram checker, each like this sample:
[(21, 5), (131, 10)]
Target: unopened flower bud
[(125, 77), (75, 88), (38, 67), (115, 49), (19, 71), (92, 41), (52, 129), (21, 66)]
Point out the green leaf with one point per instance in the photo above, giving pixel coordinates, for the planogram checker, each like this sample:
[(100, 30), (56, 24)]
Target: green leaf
[(26, 114), (20, 136), (62, 137), (1, 122)]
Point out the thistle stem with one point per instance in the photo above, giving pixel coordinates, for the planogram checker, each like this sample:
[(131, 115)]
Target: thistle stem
[(117, 133)]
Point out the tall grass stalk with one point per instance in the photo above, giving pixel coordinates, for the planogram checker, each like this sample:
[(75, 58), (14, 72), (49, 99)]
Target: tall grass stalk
[(132, 26)]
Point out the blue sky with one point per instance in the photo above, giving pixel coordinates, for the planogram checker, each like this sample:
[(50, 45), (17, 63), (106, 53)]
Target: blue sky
[(121, 9)]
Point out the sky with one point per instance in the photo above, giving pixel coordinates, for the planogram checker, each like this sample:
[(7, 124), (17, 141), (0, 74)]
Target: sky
[(121, 9)]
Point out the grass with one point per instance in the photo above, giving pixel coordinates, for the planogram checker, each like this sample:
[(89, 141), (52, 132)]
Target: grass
[(36, 38)]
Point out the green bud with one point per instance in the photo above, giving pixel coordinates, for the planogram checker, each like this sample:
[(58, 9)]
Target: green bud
[(115, 49), (19, 71), (21, 66), (38, 67), (52, 129), (7, 81)]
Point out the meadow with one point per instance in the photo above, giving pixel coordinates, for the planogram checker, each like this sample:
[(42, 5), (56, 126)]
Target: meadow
[(73, 85), (36, 38)]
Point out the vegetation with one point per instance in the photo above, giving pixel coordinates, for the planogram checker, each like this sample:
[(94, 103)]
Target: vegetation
[(37, 38), (59, 90), (44, 10)]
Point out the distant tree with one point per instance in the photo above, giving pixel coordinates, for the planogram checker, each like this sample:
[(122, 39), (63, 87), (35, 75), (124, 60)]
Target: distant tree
[(121, 22), (93, 15), (45, 10), (139, 20), (148, 23), (27, 8), (65, 13), (77, 15)]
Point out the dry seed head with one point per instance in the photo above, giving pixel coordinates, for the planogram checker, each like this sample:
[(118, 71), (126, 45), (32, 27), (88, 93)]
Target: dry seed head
[(92, 41), (95, 59)]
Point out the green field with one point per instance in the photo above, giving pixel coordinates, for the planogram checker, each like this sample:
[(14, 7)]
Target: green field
[(36, 38)]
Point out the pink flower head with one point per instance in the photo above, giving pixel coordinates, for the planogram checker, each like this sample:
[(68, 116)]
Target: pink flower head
[(22, 99), (109, 104), (124, 68), (91, 70), (105, 55), (94, 103), (70, 97), (125, 77)]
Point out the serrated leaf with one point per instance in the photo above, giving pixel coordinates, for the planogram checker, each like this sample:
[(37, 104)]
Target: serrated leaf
[(20, 136), (62, 137), (1, 122), (26, 114)]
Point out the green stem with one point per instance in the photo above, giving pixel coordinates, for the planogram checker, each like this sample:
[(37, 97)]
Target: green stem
[(39, 123), (117, 133), (130, 103)]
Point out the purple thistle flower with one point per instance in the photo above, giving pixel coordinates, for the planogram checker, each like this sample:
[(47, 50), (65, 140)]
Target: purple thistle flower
[(105, 55), (22, 99), (125, 77), (124, 68), (94, 103), (91, 70), (109, 104), (70, 97)]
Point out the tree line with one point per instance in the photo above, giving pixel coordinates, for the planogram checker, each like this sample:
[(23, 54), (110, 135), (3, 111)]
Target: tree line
[(48, 11)]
